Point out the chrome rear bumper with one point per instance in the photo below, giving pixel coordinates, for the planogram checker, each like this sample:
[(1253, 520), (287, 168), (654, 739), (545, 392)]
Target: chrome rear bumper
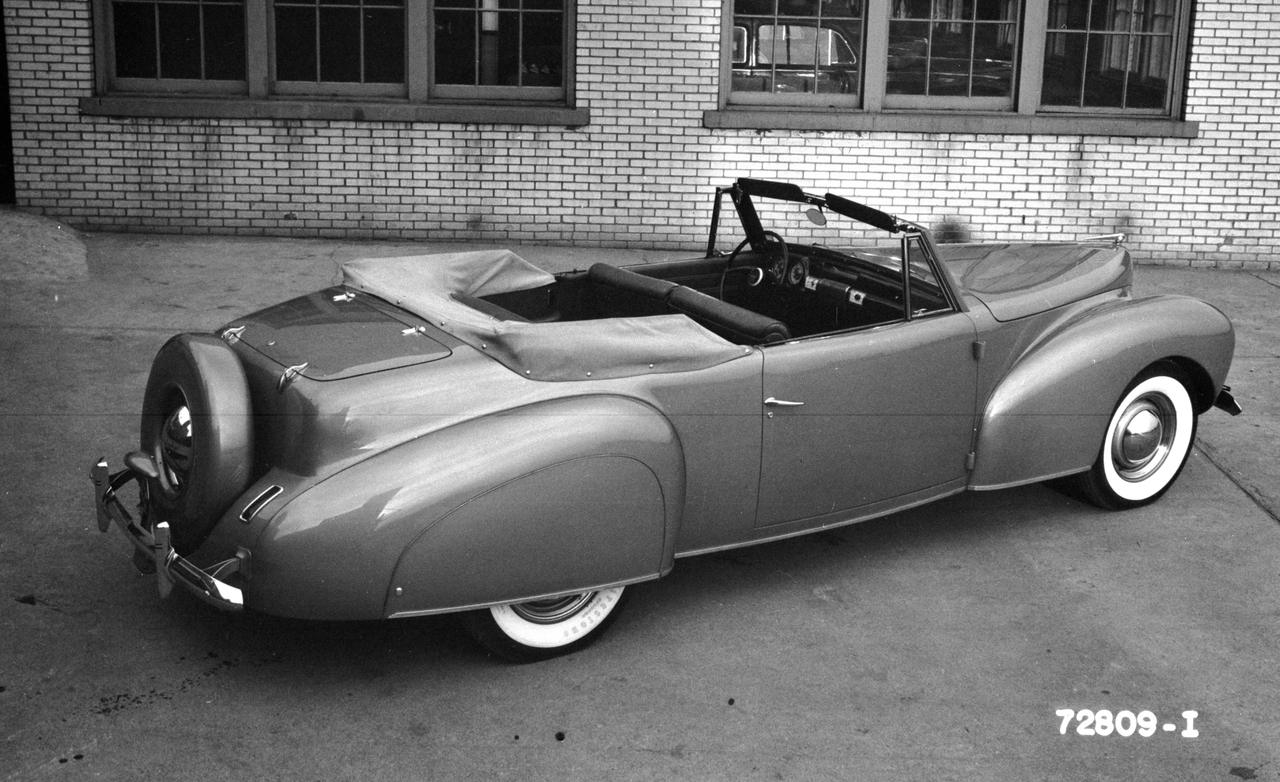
[(1227, 403), (153, 550)]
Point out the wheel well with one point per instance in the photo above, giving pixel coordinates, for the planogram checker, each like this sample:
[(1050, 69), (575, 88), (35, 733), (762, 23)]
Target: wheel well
[(1202, 389)]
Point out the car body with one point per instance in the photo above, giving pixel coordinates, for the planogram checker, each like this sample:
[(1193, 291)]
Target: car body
[(468, 433)]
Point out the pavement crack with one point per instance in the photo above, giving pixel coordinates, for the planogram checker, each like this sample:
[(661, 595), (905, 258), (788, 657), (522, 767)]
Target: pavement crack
[(1272, 283), (1211, 454)]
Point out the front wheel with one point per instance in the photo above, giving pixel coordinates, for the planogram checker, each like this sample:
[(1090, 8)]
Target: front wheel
[(541, 629), (1147, 442)]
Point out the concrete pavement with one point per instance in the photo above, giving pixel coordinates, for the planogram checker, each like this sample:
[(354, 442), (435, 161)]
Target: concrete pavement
[(936, 644)]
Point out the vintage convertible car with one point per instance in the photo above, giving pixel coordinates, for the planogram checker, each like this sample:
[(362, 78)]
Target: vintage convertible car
[(469, 433)]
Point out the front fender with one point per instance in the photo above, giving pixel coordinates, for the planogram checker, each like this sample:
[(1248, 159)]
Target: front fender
[(552, 497), (1048, 416)]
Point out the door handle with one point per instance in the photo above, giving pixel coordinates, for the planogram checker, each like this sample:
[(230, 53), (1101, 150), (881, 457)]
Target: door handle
[(774, 402)]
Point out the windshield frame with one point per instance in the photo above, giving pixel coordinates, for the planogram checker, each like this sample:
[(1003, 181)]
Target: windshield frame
[(742, 191)]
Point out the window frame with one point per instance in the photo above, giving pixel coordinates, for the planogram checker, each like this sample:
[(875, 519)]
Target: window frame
[(319, 87), (106, 41), (259, 95), (751, 48), (1026, 116)]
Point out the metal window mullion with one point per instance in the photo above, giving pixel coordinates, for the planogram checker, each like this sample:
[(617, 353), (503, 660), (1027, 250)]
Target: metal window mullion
[(1130, 53), (773, 76), (257, 48), (928, 60), (419, 41), (817, 47), (1131, 63), (1034, 25), (203, 59), (875, 54), (319, 68), (155, 18), (973, 43)]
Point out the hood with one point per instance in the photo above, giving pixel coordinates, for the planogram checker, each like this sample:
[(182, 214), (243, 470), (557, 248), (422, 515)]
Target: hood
[(1017, 280)]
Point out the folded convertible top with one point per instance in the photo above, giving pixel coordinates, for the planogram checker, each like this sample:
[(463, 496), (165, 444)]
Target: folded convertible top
[(427, 286)]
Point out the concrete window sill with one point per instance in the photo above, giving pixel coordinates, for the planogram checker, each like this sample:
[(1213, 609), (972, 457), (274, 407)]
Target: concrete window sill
[(335, 109), (926, 122)]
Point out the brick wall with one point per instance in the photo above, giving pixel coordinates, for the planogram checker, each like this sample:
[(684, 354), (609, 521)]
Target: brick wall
[(640, 174)]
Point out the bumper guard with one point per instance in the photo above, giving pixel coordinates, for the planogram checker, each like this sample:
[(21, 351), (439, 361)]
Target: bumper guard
[(153, 550)]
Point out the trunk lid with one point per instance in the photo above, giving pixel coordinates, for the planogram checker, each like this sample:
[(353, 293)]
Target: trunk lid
[(335, 334)]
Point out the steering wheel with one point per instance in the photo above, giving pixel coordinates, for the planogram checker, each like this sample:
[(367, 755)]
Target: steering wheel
[(773, 271)]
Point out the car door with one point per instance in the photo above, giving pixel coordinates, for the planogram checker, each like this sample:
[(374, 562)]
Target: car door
[(881, 416)]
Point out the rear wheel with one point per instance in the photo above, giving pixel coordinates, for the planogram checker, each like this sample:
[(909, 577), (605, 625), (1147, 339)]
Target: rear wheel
[(540, 629), (1147, 443)]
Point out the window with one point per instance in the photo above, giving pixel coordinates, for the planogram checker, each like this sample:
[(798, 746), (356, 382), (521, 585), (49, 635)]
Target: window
[(339, 41), (954, 53), (178, 40), (803, 50), (1115, 54), (508, 44), (413, 53), (1062, 66)]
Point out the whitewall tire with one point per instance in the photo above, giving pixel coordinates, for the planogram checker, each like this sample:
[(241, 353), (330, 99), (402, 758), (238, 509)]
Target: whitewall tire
[(540, 629), (1147, 442)]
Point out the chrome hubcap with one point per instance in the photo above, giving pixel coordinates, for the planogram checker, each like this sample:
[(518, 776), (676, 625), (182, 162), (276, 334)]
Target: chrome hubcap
[(1143, 437), (175, 448), (547, 612)]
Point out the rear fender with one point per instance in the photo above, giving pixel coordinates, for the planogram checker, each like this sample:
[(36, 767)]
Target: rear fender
[(1047, 417), (552, 497)]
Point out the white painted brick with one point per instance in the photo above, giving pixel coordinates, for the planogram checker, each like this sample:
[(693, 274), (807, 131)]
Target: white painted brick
[(646, 73)]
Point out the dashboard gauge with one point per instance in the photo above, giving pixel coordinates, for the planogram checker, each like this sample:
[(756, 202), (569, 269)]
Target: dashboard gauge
[(776, 270), (798, 271)]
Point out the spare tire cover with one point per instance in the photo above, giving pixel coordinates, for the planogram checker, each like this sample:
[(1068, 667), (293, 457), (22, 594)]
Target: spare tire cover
[(197, 426)]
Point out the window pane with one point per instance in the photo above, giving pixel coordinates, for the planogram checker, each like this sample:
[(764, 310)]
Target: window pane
[(296, 44), (455, 47), (949, 54), (500, 49), (993, 47), (758, 7), (340, 44), (224, 42), (179, 41), (135, 40), (913, 9), (1152, 62), (384, 46), (908, 58), (543, 64), (1105, 71), (1063, 69)]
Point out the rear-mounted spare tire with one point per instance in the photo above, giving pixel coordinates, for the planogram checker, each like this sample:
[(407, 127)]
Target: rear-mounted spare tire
[(197, 426)]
